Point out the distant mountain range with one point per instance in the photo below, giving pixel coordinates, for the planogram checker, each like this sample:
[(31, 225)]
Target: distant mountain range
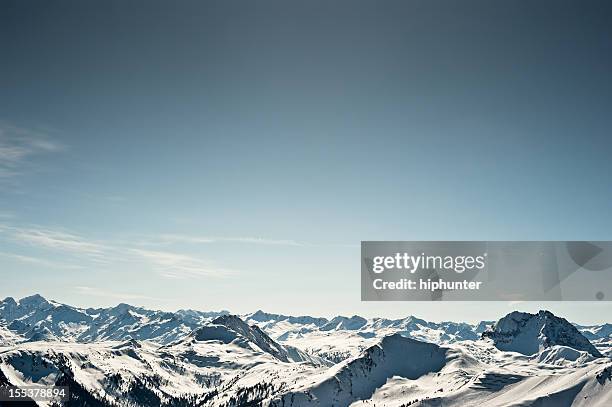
[(131, 356), (36, 318)]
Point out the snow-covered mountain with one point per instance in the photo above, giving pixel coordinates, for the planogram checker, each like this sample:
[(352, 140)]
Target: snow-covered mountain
[(596, 331), (598, 335), (230, 329), (36, 318), (359, 377), (129, 356), (531, 333)]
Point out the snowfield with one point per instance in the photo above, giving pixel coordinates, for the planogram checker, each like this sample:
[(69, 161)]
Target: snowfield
[(129, 356)]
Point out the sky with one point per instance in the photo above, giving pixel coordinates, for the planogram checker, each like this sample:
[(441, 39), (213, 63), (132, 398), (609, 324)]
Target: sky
[(232, 155)]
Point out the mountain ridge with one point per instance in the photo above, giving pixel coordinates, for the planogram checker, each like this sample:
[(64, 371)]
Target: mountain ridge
[(36, 318)]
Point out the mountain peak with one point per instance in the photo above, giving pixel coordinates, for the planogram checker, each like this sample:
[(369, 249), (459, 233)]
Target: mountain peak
[(529, 334), (230, 321), (262, 316), (35, 300), (348, 323), (232, 329), (9, 300)]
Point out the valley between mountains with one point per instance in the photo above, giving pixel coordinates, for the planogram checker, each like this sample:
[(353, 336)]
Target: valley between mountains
[(131, 356)]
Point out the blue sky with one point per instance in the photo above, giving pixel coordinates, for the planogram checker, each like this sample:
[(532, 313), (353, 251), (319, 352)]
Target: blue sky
[(222, 155)]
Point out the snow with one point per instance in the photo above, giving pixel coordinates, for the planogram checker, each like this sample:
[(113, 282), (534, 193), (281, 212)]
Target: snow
[(563, 355), (134, 356), (358, 378)]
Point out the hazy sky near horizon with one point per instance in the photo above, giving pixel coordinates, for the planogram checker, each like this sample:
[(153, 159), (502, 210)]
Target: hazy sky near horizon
[(232, 155)]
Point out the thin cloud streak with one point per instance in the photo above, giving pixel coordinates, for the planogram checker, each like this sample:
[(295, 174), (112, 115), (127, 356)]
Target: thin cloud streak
[(39, 262), (18, 146), (163, 239), (178, 238), (167, 263), (175, 265), (54, 239)]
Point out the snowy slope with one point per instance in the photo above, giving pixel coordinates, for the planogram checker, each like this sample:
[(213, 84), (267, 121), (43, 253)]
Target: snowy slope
[(358, 378), (230, 329), (508, 386), (399, 371), (7, 337), (228, 362)]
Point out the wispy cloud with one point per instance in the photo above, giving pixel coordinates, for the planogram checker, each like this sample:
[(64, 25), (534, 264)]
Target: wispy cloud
[(163, 239), (39, 262), (18, 146), (167, 263), (175, 265), (55, 239)]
